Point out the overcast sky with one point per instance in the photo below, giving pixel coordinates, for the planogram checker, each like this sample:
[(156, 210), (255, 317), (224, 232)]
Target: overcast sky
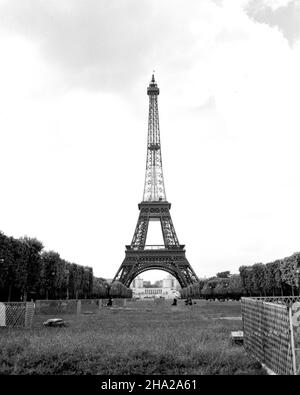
[(73, 125)]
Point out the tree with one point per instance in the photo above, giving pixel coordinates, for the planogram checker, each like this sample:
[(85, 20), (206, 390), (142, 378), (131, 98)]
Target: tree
[(221, 288), (87, 281), (278, 275), (246, 278), (259, 278), (50, 269), (225, 274), (21, 254), (71, 268), (80, 280), (119, 290), (289, 271), (60, 277), (270, 278), (183, 292), (30, 258), (97, 287), (8, 270), (197, 287), (235, 286), (65, 279), (208, 288)]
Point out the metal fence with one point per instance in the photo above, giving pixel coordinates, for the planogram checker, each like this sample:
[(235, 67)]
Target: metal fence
[(52, 307), (271, 328), (13, 314), (296, 329), (74, 306), (20, 314), (286, 300), (117, 302)]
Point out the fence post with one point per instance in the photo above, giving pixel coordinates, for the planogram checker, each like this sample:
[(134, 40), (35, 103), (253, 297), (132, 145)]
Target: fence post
[(292, 340), (29, 312), (78, 306), (2, 314)]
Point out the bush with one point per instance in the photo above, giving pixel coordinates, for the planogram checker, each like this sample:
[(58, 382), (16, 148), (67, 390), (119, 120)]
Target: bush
[(119, 290)]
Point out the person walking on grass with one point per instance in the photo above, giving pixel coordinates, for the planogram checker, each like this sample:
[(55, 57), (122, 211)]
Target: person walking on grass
[(188, 301), (110, 302)]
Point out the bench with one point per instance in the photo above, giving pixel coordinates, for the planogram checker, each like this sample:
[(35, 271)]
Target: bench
[(237, 337)]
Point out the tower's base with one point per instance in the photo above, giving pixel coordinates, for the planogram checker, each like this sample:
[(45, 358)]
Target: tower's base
[(171, 260)]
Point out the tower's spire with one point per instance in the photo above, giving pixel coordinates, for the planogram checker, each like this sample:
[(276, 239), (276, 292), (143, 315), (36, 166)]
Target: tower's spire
[(154, 189)]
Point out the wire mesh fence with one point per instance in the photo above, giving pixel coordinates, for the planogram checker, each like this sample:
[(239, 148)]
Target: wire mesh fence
[(21, 314), (115, 302), (74, 306), (14, 314), (296, 330), (286, 300), (269, 333), (53, 307), (90, 305)]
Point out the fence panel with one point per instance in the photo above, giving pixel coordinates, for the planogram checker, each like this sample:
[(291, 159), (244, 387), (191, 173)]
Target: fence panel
[(73, 306), (296, 330), (119, 302), (13, 314), (286, 300), (267, 334), (56, 307), (89, 306)]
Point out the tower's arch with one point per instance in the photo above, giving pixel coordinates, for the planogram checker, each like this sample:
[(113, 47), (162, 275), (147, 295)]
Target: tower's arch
[(175, 274)]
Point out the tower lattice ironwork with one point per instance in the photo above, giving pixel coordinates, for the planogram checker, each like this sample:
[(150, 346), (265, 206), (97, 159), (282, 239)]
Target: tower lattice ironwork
[(139, 256), (154, 188)]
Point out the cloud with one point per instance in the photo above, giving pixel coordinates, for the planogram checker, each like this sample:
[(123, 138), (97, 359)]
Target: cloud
[(218, 2), (92, 45), (108, 44), (284, 14), (209, 104)]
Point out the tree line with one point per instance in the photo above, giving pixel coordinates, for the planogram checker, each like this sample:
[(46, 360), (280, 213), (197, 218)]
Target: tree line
[(277, 278), (27, 272), (223, 286), (102, 289)]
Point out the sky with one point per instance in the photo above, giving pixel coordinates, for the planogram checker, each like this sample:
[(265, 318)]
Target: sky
[(73, 125)]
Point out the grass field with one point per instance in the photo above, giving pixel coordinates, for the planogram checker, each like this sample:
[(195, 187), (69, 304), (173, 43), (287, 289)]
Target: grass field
[(140, 339)]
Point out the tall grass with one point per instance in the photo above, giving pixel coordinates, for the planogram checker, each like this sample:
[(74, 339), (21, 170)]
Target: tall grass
[(161, 340)]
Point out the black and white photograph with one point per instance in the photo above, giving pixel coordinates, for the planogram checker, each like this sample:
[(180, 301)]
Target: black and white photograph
[(150, 191)]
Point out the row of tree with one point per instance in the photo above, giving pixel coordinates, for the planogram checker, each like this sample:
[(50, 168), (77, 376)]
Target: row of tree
[(278, 278), (222, 286), (102, 289), (28, 272)]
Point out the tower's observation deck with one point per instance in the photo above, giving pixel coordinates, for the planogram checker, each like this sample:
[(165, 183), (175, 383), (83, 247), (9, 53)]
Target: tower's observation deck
[(152, 88)]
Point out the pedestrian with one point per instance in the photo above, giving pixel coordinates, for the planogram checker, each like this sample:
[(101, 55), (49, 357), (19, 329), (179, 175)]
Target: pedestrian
[(109, 303)]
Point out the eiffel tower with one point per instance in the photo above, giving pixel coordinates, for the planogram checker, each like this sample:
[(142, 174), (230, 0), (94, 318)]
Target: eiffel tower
[(170, 256)]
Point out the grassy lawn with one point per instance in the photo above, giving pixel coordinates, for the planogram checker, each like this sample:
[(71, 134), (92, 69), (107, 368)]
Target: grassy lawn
[(139, 339)]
